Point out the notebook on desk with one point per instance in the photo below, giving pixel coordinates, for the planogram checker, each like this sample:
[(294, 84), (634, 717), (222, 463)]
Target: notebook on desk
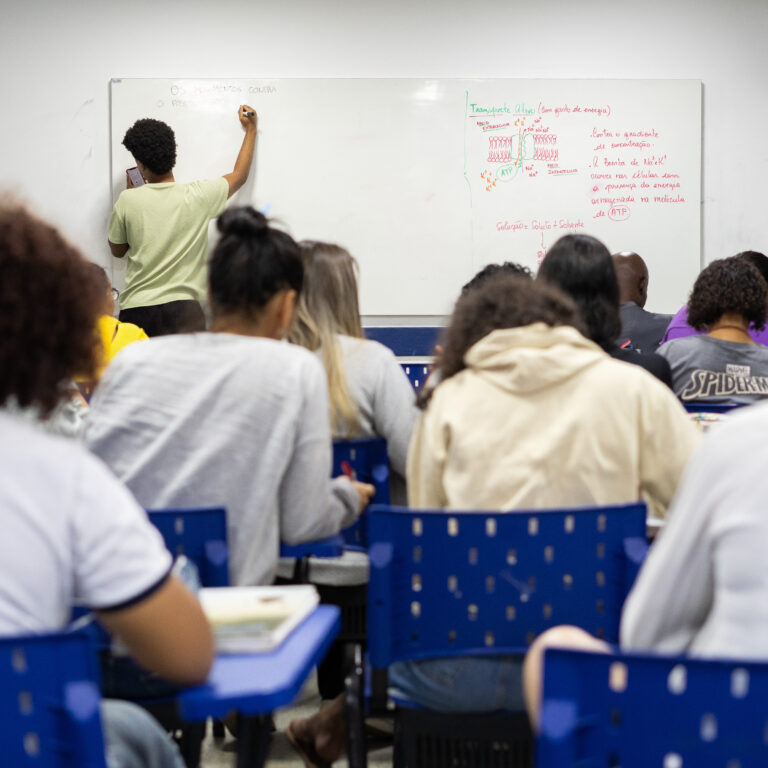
[(254, 619)]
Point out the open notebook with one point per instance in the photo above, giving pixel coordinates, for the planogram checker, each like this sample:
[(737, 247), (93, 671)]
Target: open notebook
[(249, 619)]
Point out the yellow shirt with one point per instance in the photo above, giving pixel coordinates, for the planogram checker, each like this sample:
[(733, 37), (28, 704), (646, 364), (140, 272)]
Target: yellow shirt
[(166, 228), (114, 336)]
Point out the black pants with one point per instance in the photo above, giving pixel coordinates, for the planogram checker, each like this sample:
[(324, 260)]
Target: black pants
[(162, 319)]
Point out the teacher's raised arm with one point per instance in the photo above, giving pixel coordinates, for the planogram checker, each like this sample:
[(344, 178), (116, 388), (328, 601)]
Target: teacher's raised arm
[(249, 121)]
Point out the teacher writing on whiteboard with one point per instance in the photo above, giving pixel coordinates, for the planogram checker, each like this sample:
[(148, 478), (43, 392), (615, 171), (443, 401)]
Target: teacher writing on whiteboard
[(162, 227)]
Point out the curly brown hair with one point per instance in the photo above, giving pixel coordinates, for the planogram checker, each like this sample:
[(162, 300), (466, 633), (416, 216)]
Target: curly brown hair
[(49, 304), (503, 301), (728, 286)]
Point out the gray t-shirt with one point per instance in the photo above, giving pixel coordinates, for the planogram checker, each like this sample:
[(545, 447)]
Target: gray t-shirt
[(384, 397), (714, 370), (218, 419), (387, 405)]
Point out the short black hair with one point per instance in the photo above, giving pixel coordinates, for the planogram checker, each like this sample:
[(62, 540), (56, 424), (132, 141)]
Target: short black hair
[(152, 143), (251, 262), (756, 259), (582, 266), (492, 270), (726, 286)]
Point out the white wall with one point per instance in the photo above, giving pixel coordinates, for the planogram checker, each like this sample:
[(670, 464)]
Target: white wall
[(56, 60)]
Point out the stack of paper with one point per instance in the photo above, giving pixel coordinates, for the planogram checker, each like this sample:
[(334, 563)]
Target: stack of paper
[(249, 619)]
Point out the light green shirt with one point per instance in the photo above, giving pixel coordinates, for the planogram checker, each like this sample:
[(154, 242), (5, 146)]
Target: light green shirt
[(166, 228)]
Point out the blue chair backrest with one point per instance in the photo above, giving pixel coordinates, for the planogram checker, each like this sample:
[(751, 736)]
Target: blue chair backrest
[(367, 461), (693, 406), (201, 535), (49, 703), (637, 711), (417, 374), (445, 582)]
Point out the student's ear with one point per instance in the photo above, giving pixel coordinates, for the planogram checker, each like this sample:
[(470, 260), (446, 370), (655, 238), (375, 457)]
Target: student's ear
[(287, 312)]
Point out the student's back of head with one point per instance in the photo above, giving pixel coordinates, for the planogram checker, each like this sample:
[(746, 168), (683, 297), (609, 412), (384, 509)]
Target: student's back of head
[(582, 266), (254, 268), (50, 299), (502, 301), (329, 307)]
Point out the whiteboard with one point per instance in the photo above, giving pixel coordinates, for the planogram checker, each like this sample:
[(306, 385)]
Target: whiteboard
[(427, 180)]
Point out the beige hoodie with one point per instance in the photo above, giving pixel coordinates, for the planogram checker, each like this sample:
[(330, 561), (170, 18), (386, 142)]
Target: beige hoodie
[(542, 417)]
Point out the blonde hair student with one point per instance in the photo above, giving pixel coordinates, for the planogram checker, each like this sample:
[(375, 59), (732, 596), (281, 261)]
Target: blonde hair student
[(326, 309), (369, 393)]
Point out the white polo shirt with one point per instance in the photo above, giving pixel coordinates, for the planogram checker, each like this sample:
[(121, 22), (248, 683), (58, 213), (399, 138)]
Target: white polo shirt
[(69, 531)]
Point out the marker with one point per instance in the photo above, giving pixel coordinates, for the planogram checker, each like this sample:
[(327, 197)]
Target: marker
[(246, 113)]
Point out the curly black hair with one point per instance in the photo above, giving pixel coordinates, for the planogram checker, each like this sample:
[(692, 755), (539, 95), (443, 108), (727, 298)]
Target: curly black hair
[(49, 306), (758, 260), (582, 266), (728, 286), (491, 270), (152, 143), (506, 301)]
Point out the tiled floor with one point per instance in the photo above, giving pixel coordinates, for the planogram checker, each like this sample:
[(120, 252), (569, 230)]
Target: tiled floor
[(222, 755)]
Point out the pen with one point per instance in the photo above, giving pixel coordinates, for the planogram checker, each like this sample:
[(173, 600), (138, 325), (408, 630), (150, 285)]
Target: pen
[(247, 113)]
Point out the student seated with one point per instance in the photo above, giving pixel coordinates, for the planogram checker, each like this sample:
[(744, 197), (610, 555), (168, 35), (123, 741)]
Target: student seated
[(71, 531), (581, 266), (114, 334), (234, 417), (704, 586), (726, 365), (529, 415), (679, 327), (642, 329), (370, 395)]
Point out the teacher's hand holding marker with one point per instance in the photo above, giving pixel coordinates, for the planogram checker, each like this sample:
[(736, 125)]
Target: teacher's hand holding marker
[(249, 120)]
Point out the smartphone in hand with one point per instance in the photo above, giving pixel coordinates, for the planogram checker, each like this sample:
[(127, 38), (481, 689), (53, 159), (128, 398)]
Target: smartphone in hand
[(134, 174)]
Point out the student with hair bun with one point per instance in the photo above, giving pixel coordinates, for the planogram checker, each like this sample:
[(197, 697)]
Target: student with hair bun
[(232, 417)]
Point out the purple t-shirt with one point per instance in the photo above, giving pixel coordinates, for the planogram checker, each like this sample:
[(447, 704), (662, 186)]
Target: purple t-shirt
[(678, 329)]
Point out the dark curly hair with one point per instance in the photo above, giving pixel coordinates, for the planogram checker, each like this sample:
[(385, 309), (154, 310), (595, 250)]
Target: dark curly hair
[(756, 259), (582, 266), (49, 306), (251, 262), (506, 301), (152, 143), (726, 286), (491, 270)]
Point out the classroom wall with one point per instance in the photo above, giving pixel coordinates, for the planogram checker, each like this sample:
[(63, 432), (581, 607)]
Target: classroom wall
[(57, 58)]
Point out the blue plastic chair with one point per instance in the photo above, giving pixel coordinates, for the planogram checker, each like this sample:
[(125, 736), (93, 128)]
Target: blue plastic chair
[(49, 703), (417, 373), (365, 460), (201, 535), (637, 711), (445, 583)]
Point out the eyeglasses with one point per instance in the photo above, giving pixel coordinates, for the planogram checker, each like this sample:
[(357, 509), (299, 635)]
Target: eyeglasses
[(115, 294)]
